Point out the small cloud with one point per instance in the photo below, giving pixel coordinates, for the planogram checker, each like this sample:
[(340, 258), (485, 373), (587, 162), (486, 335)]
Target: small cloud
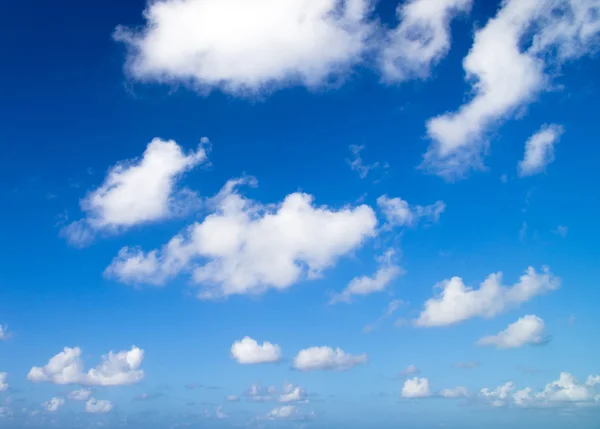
[(504, 178), (248, 352), (526, 330), (357, 163), (416, 388), (523, 232), (561, 230), (411, 370)]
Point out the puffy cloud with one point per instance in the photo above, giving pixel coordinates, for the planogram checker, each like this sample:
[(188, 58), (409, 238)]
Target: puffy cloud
[(292, 394), (80, 395), (138, 191), (248, 248), (539, 150), (459, 392), (421, 39), (410, 370), (67, 368), (416, 388), (261, 45), (326, 358), (98, 406), (458, 302), (53, 404), (283, 412), (248, 351), (562, 392), (526, 330), (4, 333), (398, 212), (385, 274), (507, 67), (3, 383)]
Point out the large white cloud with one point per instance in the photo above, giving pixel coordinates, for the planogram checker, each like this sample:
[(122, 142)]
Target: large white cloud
[(539, 150), (326, 358), (378, 282), (67, 368), (248, 351), (458, 302), (247, 248), (421, 39), (526, 330), (507, 67), (137, 191), (399, 212), (53, 404), (416, 388), (247, 46), (98, 406)]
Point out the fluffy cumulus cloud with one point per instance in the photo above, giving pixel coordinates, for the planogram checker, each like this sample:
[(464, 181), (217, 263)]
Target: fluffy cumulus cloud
[(416, 388), (67, 368), (247, 47), (508, 66), (53, 404), (378, 282), (292, 394), (245, 247), (421, 39), (80, 394), (249, 351), (526, 330), (563, 392), (3, 382), (398, 212), (98, 406), (326, 358), (458, 302), (539, 150), (138, 191)]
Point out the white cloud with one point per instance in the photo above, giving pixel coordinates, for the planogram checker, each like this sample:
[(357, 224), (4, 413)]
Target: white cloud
[(458, 302), (562, 230), (53, 404), (138, 191), (526, 330), (357, 164), (539, 150), (562, 392), (410, 370), (459, 392), (248, 248), (220, 414), (256, 393), (593, 380), (421, 39), (499, 395), (80, 395), (247, 47), (98, 406), (292, 394), (385, 274), (4, 333), (3, 383), (398, 212), (283, 412), (508, 66), (416, 388), (326, 358), (67, 368), (248, 351)]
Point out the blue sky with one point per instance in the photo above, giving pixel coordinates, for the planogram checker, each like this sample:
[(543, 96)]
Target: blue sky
[(294, 214)]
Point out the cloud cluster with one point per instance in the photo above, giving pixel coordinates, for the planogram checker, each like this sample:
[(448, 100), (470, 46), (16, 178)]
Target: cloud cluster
[(247, 248), (248, 351), (526, 330), (399, 212), (326, 358), (66, 367), (421, 39), (137, 191), (507, 67), (539, 150), (378, 282), (53, 404), (458, 302)]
